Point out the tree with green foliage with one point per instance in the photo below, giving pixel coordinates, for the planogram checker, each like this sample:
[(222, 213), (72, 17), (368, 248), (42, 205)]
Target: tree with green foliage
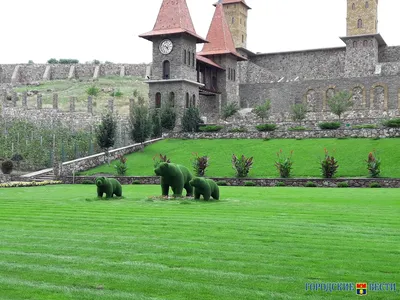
[(52, 61), (298, 112), (340, 102), (141, 123), (191, 120), (229, 110), (156, 120), (93, 91), (106, 132), (262, 111), (168, 116)]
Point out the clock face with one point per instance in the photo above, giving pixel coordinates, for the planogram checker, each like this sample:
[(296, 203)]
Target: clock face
[(166, 46)]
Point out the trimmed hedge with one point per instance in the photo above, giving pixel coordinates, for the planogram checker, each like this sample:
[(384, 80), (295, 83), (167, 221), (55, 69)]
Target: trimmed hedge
[(365, 126), (329, 125), (266, 127), (211, 128), (393, 123)]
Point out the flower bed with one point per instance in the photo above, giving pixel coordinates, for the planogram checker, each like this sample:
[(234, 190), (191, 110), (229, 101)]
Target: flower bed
[(28, 184)]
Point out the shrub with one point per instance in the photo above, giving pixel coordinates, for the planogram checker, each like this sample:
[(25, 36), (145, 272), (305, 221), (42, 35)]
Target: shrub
[(284, 164), (393, 123), (365, 126), (375, 185), (68, 61), (117, 94), (200, 164), (329, 125), (52, 61), (93, 91), (329, 165), (121, 165), (340, 102), (238, 130), (136, 182), (191, 120), (266, 127), (297, 128), (242, 165), (157, 159), (229, 110), (262, 111), (221, 183), (250, 183), (310, 184), (280, 184), (298, 112), (343, 184), (168, 117), (17, 157), (106, 132), (373, 164), (211, 128), (156, 120), (7, 166), (141, 124), (86, 181)]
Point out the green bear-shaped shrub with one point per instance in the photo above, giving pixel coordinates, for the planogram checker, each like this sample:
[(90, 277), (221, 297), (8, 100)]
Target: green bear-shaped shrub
[(175, 176), (206, 187), (108, 186)]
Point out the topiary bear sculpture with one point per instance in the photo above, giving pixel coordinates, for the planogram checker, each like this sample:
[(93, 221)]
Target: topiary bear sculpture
[(175, 176), (108, 186), (206, 187)]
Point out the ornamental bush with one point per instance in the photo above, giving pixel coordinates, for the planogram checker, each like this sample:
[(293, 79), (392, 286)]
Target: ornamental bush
[(373, 164), (157, 159), (200, 163), (393, 123), (121, 165), (266, 127), (242, 165), (7, 166), (330, 125), (211, 128), (191, 120), (284, 164), (329, 165)]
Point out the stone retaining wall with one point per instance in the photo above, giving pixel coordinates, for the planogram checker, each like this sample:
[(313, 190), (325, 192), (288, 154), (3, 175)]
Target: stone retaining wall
[(262, 182)]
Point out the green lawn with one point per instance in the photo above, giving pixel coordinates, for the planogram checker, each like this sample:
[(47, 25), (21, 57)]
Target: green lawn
[(351, 154), (59, 242)]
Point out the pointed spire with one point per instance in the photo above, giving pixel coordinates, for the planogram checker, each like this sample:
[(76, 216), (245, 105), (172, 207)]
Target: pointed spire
[(219, 36), (173, 18)]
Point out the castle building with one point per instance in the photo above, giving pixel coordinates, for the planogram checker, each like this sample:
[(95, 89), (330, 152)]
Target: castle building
[(225, 71)]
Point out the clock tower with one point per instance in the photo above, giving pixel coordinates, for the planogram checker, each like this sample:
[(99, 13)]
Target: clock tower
[(174, 76)]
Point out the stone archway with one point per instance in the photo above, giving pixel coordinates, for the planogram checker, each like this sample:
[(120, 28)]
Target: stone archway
[(379, 97), (311, 100), (329, 93), (358, 98)]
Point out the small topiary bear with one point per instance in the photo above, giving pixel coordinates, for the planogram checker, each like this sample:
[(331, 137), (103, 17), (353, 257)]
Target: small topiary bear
[(109, 186), (206, 187), (175, 176)]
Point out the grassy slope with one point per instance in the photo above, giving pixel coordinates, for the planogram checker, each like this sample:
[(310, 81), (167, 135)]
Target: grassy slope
[(351, 154), (257, 243), (68, 88)]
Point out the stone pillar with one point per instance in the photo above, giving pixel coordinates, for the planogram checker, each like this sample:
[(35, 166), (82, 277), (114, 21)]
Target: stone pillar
[(111, 105), (25, 99), (122, 71), (90, 105), (15, 75), (14, 98), (71, 73), (131, 105), (55, 101), (47, 73), (39, 101), (96, 73), (72, 104)]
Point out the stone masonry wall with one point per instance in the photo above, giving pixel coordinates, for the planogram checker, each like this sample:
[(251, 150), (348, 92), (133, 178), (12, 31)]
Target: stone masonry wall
[(389, 54)]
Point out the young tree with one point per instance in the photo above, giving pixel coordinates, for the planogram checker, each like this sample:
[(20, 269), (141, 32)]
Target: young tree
[(340, 103), (156, 120), (298, 112), (168, 116), (229, 110), (140, 120), (105, 133), (262, 111), (191, 120)]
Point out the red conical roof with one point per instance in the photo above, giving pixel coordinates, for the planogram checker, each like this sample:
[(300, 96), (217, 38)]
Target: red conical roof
[(233, 1), (219, 36), (174, 17)]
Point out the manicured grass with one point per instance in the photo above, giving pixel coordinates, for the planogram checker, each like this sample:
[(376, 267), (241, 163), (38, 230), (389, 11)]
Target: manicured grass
[(351, 154), (59, 242)]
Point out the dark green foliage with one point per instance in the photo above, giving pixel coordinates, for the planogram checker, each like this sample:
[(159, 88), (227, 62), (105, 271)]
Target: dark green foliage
[(375, 185), (298, 112), (262, 111), (86, 181), (211, 128), (108, 186), (242, 165), (141, 124), (330, 125), (393, 123), (7, 166), (205, 187), (121, 165), (297, 128), (199, 163), (364, 126), (168, 117), (284, 164), (52, 61), (156, 120), (373, 164), (106, 131), (238, 130), (343, 184), (17, 158), (280, 184), (136, 182), (221, 183), (266, 127), (250, 183), (340, 102), (30, 62), (229, 110), (93, 91), (175, 176), (310, 184), (96, 62), (329, 165), (117, 94), (191, 120), (68, 61), (157, 159)]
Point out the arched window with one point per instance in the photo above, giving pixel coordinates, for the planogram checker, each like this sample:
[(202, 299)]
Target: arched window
[(193, 60), (355, 44), (189, 57), (172, 99), (366, 4), (353, 7), (187, 100), (158, 100), (194, 101), (184, 56), (359, 23), (365, 43), (166, 70)]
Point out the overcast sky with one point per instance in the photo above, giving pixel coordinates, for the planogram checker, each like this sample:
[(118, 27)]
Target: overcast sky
[(108, 30)]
